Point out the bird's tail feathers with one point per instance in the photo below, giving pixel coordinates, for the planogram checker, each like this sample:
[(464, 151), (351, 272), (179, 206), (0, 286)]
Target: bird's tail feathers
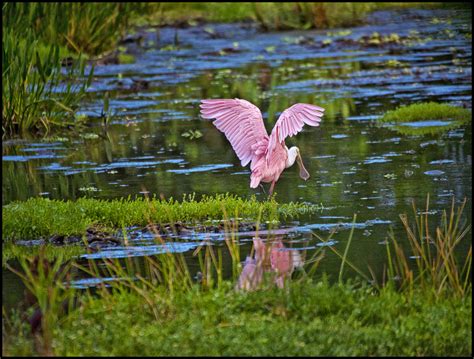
[(254, 180)]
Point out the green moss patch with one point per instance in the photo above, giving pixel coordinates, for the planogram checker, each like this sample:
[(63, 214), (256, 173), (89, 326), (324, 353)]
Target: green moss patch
[(427, 117), (40, 217)]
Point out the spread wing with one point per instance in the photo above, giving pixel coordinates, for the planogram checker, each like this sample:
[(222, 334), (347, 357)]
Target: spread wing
[(291, 122), (242, 124)]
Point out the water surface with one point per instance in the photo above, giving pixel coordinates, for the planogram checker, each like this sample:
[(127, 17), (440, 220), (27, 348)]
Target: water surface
[(357, 166)]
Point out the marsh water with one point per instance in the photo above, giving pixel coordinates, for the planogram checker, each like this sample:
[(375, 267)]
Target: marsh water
[(155, 142)]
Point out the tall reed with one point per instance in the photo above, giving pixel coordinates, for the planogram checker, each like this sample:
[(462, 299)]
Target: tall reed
[(88, 28), (433, 260), (303, 15), (438, 264), (47, 285), (36, 94)]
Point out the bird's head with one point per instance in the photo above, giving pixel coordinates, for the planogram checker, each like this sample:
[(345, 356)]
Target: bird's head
[(295, 155)]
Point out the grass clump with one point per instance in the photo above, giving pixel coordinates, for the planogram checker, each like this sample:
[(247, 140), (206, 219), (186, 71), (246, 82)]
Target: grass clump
[(427, 111), (439, 267), (11, 251), (40, 217), (32, 74), (46, 281), (177, 12), (36, 94), (301, 15), (270, 15), (405, 118), (88, 28)]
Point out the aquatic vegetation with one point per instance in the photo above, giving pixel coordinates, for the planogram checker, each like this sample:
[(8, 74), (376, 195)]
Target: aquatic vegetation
[(40, 217), (86, 28), (12, 251), (48, 290), (279, 16), (192, 134), (189, 14), (439, 266), (426, 117), (126, 59), (433, 262), (37, 41), (31, 75), (303, 15), (427, 111)]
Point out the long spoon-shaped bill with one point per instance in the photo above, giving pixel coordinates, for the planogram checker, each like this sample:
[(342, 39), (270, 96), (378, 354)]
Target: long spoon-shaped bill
[(303, 172)]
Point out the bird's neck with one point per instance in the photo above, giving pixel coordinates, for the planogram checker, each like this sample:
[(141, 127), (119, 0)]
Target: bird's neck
[(292, 153)]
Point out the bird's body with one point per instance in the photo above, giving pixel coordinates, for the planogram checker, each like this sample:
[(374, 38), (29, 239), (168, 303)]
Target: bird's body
[(243, 126), (268, 171)]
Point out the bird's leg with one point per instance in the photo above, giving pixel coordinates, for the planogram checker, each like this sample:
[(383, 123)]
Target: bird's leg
[(271, 189), (263, 188)]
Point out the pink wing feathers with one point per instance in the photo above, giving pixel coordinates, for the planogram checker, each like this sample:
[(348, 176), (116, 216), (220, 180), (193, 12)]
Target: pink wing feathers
[(242, 124), (291, 122)]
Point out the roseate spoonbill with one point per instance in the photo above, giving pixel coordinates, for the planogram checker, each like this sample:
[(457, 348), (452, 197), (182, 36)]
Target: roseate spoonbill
[(242, 124)]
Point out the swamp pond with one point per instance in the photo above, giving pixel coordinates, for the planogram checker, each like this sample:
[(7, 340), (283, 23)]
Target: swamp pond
[(156, 143)]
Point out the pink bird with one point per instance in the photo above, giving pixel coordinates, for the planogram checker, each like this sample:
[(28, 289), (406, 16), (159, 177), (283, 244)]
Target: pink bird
[(242, 124)]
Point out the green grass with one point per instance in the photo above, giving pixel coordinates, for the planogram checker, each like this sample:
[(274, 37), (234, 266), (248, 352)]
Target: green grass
[(87, 28), (439, 264), (30, 73), (47, 283), (308, 319), (11, 251), (270, 15), (179, 12), (39, 217), (36, 37), (426, 111)]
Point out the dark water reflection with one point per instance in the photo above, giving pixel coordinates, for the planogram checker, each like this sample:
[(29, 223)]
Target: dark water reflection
[(356, 166)]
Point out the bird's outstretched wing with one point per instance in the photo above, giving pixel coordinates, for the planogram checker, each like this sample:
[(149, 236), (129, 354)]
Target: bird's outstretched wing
[(242, 124), (291, 122)]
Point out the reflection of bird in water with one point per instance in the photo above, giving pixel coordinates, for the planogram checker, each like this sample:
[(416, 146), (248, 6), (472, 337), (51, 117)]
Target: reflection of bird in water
[(243, 126), (272, 258), (283, 262)]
